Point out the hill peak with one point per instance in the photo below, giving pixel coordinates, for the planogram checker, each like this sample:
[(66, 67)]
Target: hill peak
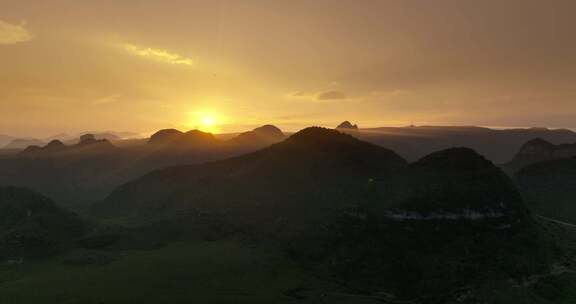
[(197, 135), (538, 143), (540, 150), (197, 132), (55, 143), (164, 136), (87, 139), (261, 136), (455, 158), (347, 125), (320, 134), (269, 130)]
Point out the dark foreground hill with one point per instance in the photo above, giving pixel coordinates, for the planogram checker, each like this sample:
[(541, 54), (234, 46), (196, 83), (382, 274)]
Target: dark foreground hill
[(458, 183), (539, 150), (32, 225), (550, 188), (310, 174), (320, 217), (445, 223), (434, 231)]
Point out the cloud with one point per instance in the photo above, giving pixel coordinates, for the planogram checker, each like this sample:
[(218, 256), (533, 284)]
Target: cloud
[(106, 99), (322, 96), (12, 33), (328, 95), (159, 55), (299, 94)]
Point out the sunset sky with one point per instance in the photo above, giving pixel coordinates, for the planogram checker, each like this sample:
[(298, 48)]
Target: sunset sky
[(127, 65)]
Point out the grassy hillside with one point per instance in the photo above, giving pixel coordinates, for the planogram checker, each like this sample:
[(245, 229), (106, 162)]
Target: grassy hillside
[(549, 188), (226, 271), (239, 270)]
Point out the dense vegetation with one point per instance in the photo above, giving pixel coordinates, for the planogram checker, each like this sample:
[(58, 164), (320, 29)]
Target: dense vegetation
[(33, 226)]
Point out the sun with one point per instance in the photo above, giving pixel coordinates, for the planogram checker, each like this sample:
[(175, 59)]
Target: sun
[(207, 121)]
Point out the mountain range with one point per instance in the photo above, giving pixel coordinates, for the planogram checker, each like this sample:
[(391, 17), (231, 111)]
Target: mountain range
[(358, 212), (77, 175), (540, 150), (358, 217), (497, 145)]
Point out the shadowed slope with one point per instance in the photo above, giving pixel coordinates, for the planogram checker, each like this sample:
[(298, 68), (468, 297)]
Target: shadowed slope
[(164, 136), (443, 223), (550, 188), (539, 150), (32, 225), (314, 169), (456, 184), (261, 136)]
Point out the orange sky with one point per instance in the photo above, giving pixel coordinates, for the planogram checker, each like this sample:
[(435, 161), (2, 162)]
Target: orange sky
[(71, 66)]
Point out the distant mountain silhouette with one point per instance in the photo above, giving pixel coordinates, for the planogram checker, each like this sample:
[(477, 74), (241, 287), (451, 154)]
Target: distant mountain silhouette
[(89, 143), (196, 139), (164, 136), (53, 146), (60, 136), (110, 135), (5, 139), (86, 170), (87, 139), (261, 136), (540, 150), (174, 139), (32, 225), (21, 143), (80, 175), (86, 144), (499, 146), (347, 126), (100, 136)]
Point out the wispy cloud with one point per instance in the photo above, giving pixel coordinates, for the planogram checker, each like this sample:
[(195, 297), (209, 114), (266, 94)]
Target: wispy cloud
[(106, 99), (14, 33), (159, 55), (299, 95), (322, 96), (328, 95)]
